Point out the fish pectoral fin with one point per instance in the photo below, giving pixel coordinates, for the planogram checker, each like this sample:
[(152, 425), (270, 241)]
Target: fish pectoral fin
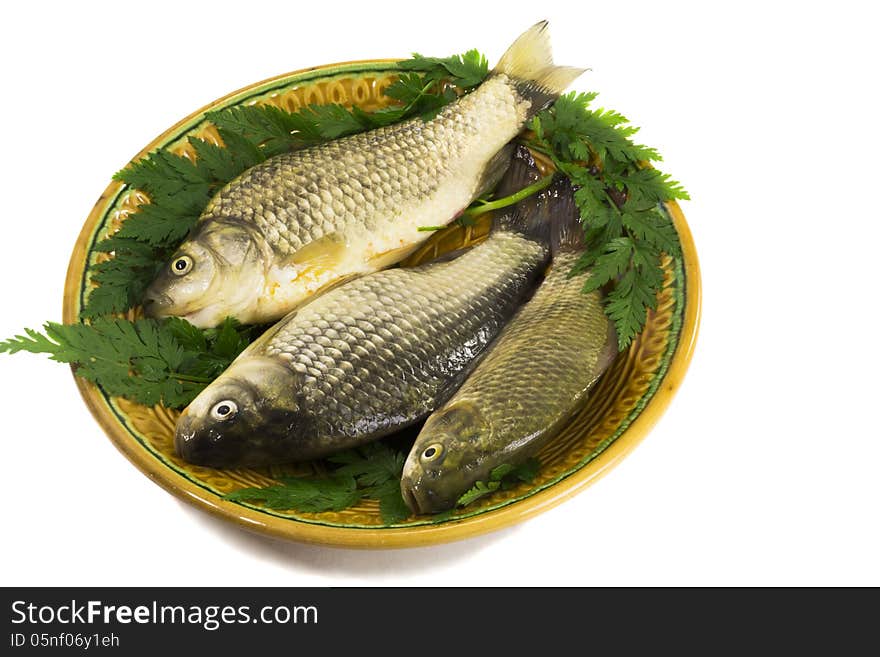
[(320, 256), (391, 257)]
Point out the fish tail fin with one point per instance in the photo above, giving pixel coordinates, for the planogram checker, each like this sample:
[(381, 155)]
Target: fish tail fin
[(529, 63), (567, 232)]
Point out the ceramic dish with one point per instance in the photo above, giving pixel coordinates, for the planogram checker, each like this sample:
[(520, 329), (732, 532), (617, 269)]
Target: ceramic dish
[(627, 401)]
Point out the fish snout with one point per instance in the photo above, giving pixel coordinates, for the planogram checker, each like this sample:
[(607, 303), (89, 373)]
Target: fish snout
[(409, 497), (155, 304), (205, 443), (186, 440), (423, 499), (197, 444)]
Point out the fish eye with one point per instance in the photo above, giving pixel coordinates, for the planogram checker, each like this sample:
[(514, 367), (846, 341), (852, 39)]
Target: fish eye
[(432, 452), (224, 410), (181, 265)]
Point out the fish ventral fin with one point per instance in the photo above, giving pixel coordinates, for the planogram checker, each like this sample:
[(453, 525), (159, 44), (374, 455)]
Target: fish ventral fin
[(567, 232), (529, 63)]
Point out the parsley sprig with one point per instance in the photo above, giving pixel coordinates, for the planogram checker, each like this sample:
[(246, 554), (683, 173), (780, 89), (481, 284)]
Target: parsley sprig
[(149, 361), (620, 201), (504, 477), (372, 471)]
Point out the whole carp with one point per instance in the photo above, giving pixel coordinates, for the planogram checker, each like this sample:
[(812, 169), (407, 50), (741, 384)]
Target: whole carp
[(536, 375), (302, 221), (372, 355)]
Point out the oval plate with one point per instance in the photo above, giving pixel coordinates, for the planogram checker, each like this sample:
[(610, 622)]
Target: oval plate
[(624, 405)]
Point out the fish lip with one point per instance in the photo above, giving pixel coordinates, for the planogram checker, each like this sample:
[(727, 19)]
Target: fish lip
[(422, 500), (409, 496), (184, 436)]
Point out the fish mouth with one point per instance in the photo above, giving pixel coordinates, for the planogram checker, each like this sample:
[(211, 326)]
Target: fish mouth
[(196, 446), (409, 497), (156, 304), (422, 500), (184, 437)]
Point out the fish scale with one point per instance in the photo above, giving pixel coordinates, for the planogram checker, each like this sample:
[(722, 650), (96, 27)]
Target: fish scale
[(512, 393), (300, 222), (536, 375), (368, 357), (366, 179), (394, 333)]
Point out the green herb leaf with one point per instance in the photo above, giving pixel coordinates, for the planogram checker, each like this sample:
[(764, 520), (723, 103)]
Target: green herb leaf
[(649, 226), (334, 121), (525, 471), (269, 129), (392, 506), (372, 465), (148, 361), (123, 279), (465, 71), (627, 304), (408, 88), (619, 201), (372, 471), (610, 264), (304, 494), (499, 472), (479, 489), (504, 477)]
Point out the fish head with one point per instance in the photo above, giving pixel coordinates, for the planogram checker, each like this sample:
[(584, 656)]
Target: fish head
[(216, 273), (449, 455), (248, 416)]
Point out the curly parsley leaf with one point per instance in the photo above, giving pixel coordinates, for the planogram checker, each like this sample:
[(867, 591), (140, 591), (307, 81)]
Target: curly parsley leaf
[(465, 71), (372, 471), (371, 465), (392, 506), (308, 495), (149, 361), (478, 490), (504, 477), (620, 202)]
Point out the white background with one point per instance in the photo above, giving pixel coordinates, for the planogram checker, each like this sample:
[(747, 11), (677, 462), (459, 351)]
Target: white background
[(764, 468)]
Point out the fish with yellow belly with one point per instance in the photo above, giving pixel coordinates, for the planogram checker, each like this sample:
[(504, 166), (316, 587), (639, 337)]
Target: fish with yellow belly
[(302, 221)]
